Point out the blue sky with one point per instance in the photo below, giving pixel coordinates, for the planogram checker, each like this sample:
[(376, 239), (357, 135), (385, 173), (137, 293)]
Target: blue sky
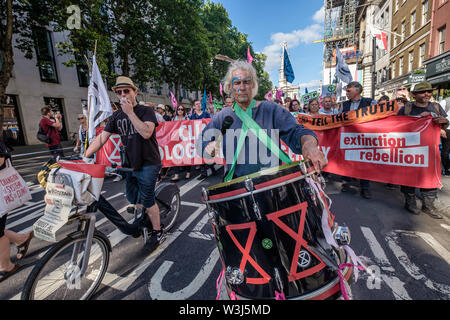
[(269, 23)]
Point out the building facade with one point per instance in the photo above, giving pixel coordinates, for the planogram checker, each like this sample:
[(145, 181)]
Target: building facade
[(438, 64), (411, 22), (46, 81), (383, 21)]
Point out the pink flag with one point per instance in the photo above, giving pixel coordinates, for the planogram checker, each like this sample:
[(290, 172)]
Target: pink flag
[(268, 96), (174, 101), (221, 89), (210, 98), (249, 56), (279, 95)]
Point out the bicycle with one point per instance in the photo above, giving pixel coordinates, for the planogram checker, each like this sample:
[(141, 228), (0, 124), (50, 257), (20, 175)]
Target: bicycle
[(74, 267)]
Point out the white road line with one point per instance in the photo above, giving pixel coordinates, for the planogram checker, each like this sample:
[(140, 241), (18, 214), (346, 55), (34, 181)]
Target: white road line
[(428, 238), (157, 292), (445, 226), (196, 232), (412, 269), (397, 286)]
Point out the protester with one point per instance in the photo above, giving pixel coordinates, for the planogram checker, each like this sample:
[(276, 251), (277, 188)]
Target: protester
[(82, 134), (327, 108), (196, 115), (294, 107), (21, 240), (181, 115), (241, 80), (313, 107), (211, 110), (422, 107), (136, 125), (168, 113), (228, 102), (159, 113), (355, 102), (51, 125), (287, 103), (383, 98)]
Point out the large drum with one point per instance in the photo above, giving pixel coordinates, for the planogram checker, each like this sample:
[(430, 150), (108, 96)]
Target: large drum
[(269, 234)]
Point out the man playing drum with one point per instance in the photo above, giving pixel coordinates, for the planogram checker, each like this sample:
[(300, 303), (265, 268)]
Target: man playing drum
[(244, 152)]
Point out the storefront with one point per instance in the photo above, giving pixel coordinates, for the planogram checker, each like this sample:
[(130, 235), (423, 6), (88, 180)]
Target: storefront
[(438, 72), (12, 126)]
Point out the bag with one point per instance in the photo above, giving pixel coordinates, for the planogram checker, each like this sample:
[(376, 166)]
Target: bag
[(41, 136), (43, 173), (13, 189)]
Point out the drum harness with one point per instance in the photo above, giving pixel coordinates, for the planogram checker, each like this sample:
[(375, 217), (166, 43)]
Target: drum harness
[(249, 124)]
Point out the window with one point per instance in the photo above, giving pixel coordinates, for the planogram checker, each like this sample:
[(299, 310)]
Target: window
[(44, 54), (413, 22), (421, 54), (394, 69), (403, 31), (82, 72), (395, 37), (410, 61), (395, 5), (424, 12), (441, 44), (400, 67)]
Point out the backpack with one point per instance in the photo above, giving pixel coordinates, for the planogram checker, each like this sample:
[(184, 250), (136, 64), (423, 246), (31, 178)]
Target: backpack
[(41, 136)]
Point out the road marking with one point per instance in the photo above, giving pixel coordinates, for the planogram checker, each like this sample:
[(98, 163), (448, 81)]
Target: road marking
[(397, 286), (412, 269), (196, 232), (445, 226), (188, 186), (157, 292)]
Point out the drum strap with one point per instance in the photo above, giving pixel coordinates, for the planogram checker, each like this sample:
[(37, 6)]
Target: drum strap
[(249, 124)]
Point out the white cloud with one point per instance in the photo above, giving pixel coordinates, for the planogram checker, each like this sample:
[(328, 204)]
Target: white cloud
[(319, 16), (293, 39), (313, 84)]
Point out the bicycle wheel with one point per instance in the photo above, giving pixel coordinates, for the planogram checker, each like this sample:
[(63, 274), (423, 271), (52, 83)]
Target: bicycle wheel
[(169, 216), (53, 277)]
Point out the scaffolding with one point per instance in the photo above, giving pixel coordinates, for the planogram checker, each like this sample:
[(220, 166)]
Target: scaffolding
[(340, 23)]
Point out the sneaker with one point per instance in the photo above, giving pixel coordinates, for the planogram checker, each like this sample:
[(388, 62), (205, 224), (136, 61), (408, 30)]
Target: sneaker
[(365, 193), (188, 175), (175, 177), (345, 187), (118, 178), (156, 238), (130, 209)]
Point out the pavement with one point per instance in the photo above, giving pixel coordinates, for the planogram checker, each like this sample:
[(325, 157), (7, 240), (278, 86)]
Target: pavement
[(33, 150)]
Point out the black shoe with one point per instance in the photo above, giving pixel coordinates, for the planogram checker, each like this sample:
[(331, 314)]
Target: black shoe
[(390, 186), (203, 176), (130, 209), (345, 187), (411, 204), (365, 193), (429, 207), (156, 238)]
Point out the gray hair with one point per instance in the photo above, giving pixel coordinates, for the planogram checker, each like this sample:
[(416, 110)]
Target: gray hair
[(240, 65), (356, 85)]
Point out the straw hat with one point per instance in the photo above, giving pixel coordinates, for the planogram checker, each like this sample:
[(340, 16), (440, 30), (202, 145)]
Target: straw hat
[(124, 82)]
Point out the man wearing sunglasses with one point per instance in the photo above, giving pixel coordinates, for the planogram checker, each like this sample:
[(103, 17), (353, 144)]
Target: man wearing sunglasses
[(136, 124), (423, 107)]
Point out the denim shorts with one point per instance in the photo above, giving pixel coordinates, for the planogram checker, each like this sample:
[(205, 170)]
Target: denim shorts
[(140, 185)]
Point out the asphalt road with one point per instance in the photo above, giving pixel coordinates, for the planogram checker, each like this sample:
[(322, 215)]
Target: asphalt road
[(408, 255)]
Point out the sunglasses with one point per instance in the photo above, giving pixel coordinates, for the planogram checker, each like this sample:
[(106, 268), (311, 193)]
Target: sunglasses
[(80, 118), (425, 91), (119, 92), (180, 109)]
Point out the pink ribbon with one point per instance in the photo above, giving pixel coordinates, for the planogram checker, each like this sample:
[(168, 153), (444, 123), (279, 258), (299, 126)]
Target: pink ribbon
[(219, 285), (341, 278), (279, 296)]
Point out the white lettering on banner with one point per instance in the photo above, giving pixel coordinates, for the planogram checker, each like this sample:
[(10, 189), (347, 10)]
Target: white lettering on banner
[(408, 157), (354, 140), (325, 151)]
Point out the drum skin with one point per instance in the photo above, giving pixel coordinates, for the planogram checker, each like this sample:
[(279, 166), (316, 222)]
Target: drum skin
[(272, 249)]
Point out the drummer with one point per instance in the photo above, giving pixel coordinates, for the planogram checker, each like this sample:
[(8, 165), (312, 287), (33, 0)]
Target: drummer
[(241, 82)]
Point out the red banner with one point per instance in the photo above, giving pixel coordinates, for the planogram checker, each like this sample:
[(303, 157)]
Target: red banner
[(398, 150), (110, 152)]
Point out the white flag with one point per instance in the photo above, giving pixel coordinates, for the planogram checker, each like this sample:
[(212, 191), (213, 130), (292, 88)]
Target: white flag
[(382, 40), (99, 105), (342, 70)]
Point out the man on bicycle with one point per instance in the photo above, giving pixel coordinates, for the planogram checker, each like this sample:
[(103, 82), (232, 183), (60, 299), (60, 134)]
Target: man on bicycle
[(136, 124)]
